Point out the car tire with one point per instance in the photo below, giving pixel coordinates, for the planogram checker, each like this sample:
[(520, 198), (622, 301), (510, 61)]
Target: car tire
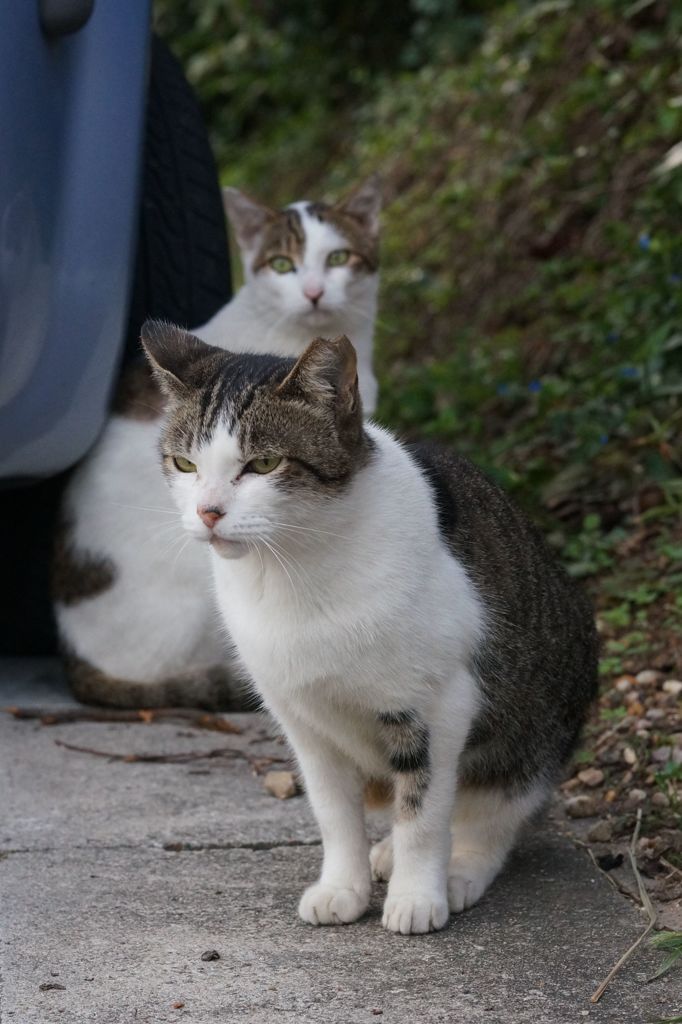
[(182, 270)]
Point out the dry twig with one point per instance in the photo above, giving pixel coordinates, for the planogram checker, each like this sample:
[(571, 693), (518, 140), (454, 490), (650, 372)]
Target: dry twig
[(646, 903), (60, 716), (259, 764)]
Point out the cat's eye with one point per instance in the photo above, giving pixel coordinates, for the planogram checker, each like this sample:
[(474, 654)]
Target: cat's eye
[(183, 464), (338, 258), (282, 264), (264, 465)]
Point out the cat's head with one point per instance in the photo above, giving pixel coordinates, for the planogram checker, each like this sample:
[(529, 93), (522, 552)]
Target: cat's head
[(254, 446), (311, 261)]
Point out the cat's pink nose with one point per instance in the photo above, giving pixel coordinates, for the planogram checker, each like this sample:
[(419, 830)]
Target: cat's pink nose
[(209, 515), (314, 292)]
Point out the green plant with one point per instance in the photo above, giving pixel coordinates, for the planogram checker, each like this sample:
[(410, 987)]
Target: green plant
[(666, 780), (669, 943)]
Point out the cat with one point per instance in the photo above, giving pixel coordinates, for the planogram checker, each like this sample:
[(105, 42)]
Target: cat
[(136, 624), (401, 619)]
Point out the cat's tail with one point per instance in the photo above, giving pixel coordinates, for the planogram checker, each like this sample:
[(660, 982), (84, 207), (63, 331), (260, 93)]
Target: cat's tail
[(212, 687)]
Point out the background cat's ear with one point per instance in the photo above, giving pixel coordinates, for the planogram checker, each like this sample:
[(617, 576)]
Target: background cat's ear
[(174, 355), (327, 371), (247, 216), (364, 204)]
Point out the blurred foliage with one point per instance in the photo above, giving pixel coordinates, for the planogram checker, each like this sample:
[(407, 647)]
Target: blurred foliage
[(531, 307), (268, 69)]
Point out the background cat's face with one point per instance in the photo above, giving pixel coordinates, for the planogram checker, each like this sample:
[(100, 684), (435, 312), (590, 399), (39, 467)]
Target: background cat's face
[(311, 261), (255, 446)]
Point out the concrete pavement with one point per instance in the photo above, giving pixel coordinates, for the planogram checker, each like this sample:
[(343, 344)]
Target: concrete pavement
[(116, 876)]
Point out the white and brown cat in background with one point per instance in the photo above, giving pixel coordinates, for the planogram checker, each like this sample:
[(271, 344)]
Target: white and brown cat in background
[(137, 625)]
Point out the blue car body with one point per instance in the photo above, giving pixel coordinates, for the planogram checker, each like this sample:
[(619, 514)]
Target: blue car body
[(72, 113)]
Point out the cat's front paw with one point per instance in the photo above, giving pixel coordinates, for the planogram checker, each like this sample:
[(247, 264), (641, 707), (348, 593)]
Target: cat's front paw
[(331, 904), (416, 912), (381, 859), (469, 875)]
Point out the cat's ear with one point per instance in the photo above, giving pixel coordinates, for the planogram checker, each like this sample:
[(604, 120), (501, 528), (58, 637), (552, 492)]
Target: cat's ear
[(248, 217), (364, 204), (326, 372), (175, 356)]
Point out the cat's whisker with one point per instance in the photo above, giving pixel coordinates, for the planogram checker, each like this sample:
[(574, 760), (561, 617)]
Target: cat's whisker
[(307, 529), (148, 508), (174, 542), (253, 546), (277, 557), (163, 535), (179, 553), (152, 529), (294, 564)]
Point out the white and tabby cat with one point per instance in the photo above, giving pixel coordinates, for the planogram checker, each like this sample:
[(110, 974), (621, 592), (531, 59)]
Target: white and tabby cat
[(136, 624), (399, 616)]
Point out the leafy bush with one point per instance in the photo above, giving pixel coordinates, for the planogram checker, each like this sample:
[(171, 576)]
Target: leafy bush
[(272, 71)]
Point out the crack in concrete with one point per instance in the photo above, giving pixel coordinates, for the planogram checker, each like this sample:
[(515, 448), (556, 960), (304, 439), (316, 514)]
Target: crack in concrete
[(170, 847), (263, 844)]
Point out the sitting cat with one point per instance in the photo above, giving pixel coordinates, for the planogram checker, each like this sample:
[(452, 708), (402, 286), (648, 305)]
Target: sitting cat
[(398, 615), (137, 625)]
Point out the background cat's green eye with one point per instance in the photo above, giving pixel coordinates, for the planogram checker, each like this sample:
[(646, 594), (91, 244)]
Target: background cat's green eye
[(265, 465), (338, 258), (282, 264), (183, 464)]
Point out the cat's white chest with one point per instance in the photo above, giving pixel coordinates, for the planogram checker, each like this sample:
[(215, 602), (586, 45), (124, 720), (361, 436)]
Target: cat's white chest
[(283, 648), (382, 651)]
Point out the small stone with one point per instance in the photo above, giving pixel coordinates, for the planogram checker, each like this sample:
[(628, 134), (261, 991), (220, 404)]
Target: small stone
[(632, 697), (211, 954), (673, 686), (677, 756), (281, 784), (581, 806), (591, 777), (643, 734), (635, 797), (624, 683), (655, 714), (660, 800), (602, 832), (661, 754), (648, 677), (629, 755)]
